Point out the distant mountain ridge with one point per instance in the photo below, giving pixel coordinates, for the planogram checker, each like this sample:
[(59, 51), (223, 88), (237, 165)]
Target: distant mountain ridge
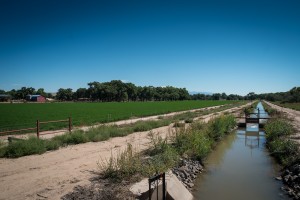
[(195, 92)]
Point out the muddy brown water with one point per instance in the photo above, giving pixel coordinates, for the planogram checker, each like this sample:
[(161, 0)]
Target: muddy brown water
[(240, 168)]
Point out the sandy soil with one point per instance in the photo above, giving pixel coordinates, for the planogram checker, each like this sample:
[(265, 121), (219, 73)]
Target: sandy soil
[(53, 174), (294, 117)]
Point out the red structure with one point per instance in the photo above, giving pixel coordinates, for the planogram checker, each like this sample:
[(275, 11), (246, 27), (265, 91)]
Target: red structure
[(36, 98), (41, 99)]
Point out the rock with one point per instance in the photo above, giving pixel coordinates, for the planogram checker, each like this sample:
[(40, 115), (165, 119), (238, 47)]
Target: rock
[(286, 178), (185, 174), (187, 171)]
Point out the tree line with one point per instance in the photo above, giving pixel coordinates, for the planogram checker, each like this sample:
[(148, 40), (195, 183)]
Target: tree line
[(114, 90), (291, 96), (24, 91), (117, 90)]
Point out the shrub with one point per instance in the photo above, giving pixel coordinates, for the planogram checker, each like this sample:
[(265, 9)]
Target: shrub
[(148, 125), (51, 145), (158, 144), (123, 166), (96, 135), (200, 145), (2, 149), (30, 146), (198, 139), (276, 128), (190, 120), (75, 137), (162, 161), (284, 150), (141, 126), (102, 133), (193, 142), (184, 116), (220, 126)]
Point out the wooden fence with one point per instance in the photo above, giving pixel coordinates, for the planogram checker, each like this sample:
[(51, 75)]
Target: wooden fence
[(38, 127)]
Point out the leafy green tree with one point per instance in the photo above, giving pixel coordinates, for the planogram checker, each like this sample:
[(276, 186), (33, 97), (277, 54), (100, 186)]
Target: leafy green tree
[(64, 94), (80, 93), (251, 96), (223, 95), (216, 96), (12, 93), (23, 92), (42, 92), (49, 95), (131, 91)]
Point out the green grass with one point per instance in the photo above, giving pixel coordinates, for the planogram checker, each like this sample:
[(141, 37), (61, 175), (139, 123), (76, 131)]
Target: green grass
[(277, 128), (17, 116), (28, 147), (295, 106), (281, 147)]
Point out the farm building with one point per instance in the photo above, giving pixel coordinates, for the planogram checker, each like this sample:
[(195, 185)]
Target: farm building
[(5, 97), (35, 98)]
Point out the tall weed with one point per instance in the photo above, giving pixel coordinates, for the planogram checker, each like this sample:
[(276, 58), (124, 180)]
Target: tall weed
[(277, 128), (283, 149), (30, 146)]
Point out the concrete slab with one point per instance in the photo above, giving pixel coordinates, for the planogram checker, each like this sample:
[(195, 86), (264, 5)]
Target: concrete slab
[(175, 189)]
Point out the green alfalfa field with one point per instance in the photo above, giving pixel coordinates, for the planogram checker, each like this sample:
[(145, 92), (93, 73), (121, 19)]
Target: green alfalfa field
[(17, 116)]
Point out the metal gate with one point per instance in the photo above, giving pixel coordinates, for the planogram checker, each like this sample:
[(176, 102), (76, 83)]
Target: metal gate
[(157, 187)]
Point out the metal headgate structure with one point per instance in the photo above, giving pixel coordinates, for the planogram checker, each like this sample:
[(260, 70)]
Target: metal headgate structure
[(157, 187), (254, 117)]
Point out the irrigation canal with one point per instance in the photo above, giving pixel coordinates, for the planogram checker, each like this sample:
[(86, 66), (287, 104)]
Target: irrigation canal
[(240, 168)]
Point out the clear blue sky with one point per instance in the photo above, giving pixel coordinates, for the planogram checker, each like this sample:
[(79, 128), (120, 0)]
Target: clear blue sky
[(215, 46)]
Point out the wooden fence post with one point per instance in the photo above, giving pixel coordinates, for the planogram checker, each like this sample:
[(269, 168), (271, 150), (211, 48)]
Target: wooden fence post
[(70, 124), (38, 128)]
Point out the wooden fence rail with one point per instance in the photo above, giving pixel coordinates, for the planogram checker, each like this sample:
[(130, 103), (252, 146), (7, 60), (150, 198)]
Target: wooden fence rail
[(38, 127)]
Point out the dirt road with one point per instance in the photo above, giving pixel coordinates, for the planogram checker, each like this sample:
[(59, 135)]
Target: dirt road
[(53, 174)]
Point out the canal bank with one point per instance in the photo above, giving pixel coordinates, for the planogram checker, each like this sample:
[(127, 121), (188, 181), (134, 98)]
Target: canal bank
[(283, 144)]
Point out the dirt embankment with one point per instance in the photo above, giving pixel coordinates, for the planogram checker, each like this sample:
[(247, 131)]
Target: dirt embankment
[(293, 116), (291, 174), (53, 174)]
